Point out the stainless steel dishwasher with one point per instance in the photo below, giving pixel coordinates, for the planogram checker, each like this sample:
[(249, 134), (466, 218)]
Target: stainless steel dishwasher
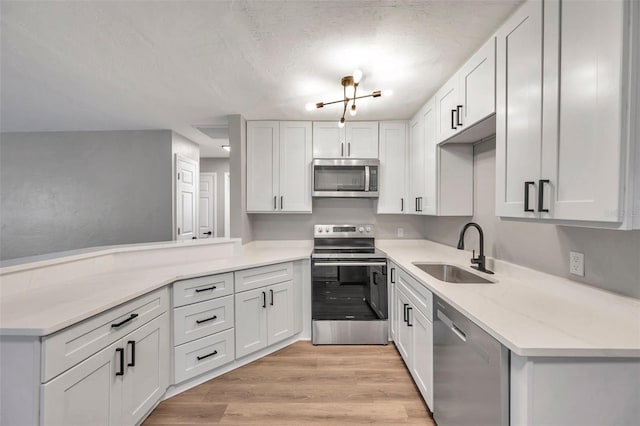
[(471, 372)]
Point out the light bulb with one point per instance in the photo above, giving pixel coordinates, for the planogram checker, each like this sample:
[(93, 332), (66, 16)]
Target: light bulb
[(357, 76), (353, 111), (341, 123), (310, 106)]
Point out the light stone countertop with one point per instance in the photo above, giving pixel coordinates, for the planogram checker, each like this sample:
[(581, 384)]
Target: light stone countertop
[(51, 308), (531, 313)]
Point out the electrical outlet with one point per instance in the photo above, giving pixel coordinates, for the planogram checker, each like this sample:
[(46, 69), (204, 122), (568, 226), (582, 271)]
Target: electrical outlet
[(400, 232), (576, 263)]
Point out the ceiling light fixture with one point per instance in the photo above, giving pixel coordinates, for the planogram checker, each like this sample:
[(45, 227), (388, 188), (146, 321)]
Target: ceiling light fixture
[(226, 148), (348, 82)]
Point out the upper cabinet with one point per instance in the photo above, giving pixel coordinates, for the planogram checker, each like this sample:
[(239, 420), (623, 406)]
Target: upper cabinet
[(567, 113), (466, 103), (279, 167), (357, 139), (393, 171)]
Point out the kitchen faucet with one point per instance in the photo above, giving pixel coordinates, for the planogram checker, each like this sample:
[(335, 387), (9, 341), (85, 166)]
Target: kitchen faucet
[(480, 260)]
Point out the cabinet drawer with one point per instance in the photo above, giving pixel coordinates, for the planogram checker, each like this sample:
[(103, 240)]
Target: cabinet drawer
[(250, 279), (198, 289), (219, 347), (64, 349), (202, 319), (419, 294)]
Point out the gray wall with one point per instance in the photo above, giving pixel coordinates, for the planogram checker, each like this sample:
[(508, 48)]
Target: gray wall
[(240, 222), (69, 190), (219, 166), (334, 210), (612, 258)]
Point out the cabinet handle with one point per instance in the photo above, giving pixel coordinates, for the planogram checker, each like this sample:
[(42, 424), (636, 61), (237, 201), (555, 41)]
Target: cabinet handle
[(200, 358), (401, 204), (121, 323), (419, 204), (199, 290), (121, 352), (264, 299), (281, 202), (271, 294), (416, 204), (541, 183), (275, 202), (458, 113), (133, 353), (409, 316), (206, 319), (342, 149), (526, 196), (453, 113), (349, 149), (406, 305), (393, 275)]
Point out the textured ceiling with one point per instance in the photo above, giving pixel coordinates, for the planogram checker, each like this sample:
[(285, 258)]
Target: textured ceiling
[(185, 65)]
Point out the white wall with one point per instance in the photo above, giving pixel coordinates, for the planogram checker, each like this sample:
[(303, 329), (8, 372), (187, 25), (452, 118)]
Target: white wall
[(240, 223), (69, 190), (612, 258), (219, 166)]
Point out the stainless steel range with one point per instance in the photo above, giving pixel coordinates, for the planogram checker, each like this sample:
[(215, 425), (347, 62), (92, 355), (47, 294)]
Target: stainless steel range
[(349, 286)]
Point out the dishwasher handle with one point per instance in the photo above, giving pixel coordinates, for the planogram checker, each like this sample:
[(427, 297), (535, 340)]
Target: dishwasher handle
[(452, 326)]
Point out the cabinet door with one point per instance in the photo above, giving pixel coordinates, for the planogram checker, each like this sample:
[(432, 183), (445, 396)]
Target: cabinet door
[(416, 165), (328, 140), (146, 374), (361, 139), (519, 106), (263, 138), (393, 303), (393, 158), (430, 165), (295, 166), (280, 312), (251, 321), (447, 109), (583, 124), (478, 85), (88, 394), (403, 333), (422, 354)]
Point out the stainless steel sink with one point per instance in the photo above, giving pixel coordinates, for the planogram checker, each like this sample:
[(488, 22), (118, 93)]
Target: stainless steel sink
[(451, 273)]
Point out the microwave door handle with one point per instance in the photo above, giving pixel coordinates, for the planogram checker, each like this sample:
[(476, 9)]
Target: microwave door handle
[(366, 178)]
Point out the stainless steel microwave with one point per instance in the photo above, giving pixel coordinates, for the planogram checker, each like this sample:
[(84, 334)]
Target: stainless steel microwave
[(346, 178)]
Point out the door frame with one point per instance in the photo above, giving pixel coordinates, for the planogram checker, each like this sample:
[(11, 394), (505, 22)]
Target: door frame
[(227, 205), (214, 211)]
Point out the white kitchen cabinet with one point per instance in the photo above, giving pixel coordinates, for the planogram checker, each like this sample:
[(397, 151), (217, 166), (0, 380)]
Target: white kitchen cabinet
[(393, 310), (416, 164), (116, 386), (467, 99), (393, 171), (566, 117), (357, 139), (422, 353), (264, 316), (279, 158), (403, 333)]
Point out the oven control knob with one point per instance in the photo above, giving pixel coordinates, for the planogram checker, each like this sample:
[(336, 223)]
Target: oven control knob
[(361, 229), (326, 229), (319, 228), (368, 229)]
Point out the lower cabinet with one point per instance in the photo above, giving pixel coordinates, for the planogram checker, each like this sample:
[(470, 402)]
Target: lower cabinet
[(264, 316), (116, 386)]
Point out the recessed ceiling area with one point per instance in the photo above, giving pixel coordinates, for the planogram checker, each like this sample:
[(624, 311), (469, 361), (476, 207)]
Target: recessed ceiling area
[(167, 65)]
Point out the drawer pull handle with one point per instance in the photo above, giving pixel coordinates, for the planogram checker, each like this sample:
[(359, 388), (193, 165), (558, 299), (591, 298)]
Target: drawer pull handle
[(121, 352), (206, 319), (123, 322), (199, 290), (200, 358), (409, 316), (133, 353)]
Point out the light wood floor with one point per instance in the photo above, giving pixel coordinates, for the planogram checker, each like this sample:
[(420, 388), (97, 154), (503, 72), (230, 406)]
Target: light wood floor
[(304, 384)]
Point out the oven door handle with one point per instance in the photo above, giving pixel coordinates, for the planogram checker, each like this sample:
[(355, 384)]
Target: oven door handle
[(350, 263)]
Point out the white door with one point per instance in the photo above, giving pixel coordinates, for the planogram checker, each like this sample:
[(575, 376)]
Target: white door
[(403, 333), (280, 312), (186, 200), (447, 109), (416, 165), (227, 205), (147, 368), (393, 170), (430, 165), (519, 111), (251, 321), (328, 140), (422, 347), (361, 139), (478, 85), (263, 139), (88, 394), (583, 121), (295, 166), (207, 223)]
